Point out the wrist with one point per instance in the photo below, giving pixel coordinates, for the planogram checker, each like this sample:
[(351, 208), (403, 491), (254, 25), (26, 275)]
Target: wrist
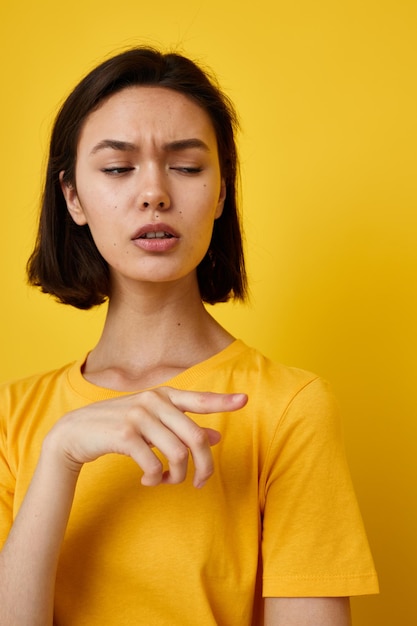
[(54, 455)]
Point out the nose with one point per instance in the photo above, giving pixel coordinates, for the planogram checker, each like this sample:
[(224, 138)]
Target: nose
[(153, 193), (158, 205)]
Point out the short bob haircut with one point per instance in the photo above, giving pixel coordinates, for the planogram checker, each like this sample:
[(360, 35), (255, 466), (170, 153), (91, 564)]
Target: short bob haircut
[(65, 261)]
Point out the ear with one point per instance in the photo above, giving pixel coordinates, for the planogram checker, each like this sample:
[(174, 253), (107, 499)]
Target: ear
[(73, 203), (222, 198)]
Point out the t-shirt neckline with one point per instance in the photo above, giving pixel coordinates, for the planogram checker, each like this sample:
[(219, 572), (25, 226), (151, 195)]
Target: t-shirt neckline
[(183, 380)]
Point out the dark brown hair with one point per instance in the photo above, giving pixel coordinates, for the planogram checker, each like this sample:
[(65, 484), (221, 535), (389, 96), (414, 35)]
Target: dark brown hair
[(65, 261)]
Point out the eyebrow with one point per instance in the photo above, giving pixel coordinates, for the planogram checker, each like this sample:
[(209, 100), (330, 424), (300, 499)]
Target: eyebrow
[(185, 144), (172, 146), (114, 144)]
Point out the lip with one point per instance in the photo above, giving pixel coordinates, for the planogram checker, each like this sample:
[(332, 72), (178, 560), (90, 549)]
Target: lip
[(155, 228), (156, 244)]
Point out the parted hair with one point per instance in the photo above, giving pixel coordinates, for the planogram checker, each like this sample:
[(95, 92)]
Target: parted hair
[(65, 261)]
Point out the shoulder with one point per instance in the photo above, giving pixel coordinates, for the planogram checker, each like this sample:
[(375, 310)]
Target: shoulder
[(282, 385), (36, 379), (285, 403), (250, 359), (24, 390)]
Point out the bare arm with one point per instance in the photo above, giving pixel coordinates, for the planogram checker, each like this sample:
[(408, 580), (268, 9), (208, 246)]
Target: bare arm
[(29, 559), (307, 612), (130, 425)]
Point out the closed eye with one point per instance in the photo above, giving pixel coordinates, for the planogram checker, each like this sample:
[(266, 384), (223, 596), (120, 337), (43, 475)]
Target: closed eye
[(114, 171), (187, 170)]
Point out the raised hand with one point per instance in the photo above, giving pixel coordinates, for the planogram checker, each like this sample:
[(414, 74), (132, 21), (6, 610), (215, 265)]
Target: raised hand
[(132, 425)]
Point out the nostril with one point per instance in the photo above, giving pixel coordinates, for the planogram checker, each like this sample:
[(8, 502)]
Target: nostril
[(162, 205)]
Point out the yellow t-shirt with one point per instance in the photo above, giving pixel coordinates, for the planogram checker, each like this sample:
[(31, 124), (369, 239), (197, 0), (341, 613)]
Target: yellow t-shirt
[(279, 516)]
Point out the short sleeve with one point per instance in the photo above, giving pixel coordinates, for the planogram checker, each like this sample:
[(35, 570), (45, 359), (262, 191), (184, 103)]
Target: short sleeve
[(313, 542)]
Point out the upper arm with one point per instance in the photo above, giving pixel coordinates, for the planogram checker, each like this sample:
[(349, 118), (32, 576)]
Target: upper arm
[(307, 612), (313, 540)]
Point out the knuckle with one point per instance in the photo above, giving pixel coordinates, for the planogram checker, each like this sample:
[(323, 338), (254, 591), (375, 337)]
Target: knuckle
[(203, 399), (140, 418), (135, 413), (149, 397), (179, 455), (153, 468), (199, 436), (126, 431)]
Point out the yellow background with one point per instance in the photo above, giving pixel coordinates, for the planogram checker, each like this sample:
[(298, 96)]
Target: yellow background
[(326, 91)]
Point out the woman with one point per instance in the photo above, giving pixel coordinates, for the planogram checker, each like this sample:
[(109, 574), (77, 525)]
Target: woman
[(174, 475)]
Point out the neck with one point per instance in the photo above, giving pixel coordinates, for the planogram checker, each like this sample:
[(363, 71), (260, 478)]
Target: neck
[(151, 336)]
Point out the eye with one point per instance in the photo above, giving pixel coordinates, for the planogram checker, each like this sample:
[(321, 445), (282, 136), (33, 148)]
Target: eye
[(187, 170), (116, 171)]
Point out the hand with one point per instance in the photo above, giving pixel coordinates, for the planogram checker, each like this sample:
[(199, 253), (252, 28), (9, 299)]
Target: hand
[(131, 425)]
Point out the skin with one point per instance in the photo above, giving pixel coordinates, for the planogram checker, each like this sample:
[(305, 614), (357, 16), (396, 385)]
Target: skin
[(307, 612), (164, 169), (146, 161)]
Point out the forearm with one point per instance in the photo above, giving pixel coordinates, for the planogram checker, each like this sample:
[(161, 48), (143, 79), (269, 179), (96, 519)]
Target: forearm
[(28, 561), (130, 425), (307, 612)]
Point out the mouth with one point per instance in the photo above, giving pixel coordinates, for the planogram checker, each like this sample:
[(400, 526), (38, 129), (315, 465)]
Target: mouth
[(159, 234), (156, 231)]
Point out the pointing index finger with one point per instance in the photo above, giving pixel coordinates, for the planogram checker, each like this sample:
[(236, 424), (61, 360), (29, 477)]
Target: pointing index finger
[(206, 401)]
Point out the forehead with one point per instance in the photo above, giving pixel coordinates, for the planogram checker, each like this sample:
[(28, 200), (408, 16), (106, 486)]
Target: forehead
[(137, 112)]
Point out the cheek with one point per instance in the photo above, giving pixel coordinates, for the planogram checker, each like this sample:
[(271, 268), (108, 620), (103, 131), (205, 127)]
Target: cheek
[(100, 209), (209, 199), (103, 226)]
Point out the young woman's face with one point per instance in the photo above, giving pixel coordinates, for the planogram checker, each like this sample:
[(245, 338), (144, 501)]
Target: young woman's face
[(148, 184)]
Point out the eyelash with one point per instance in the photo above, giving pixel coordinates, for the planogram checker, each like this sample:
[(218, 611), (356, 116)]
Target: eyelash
[(123, 170), (116, 170), (188, 170)]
